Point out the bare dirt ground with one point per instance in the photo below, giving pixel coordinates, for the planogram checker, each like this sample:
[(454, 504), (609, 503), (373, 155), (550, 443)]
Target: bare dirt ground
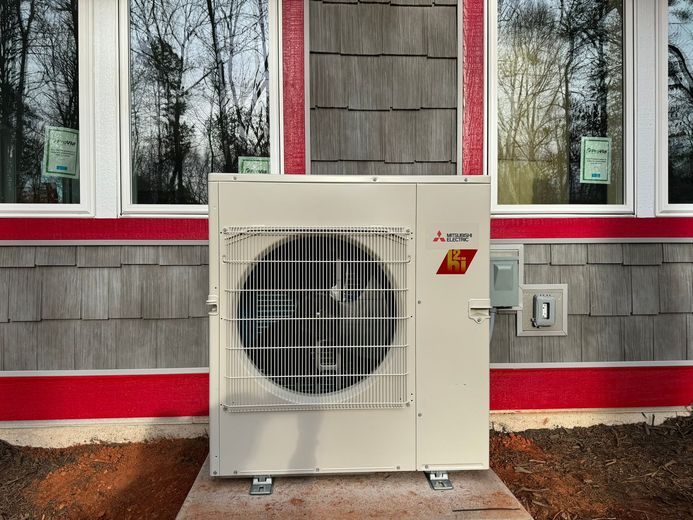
[(99, 481), (633, 472)]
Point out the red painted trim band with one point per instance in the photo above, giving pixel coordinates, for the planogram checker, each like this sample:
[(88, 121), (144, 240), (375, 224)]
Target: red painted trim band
[(171, 395), (473, 77), (591, 227), (103, 397), (612, 387), (18, 229), (104, 229), (294, 86)]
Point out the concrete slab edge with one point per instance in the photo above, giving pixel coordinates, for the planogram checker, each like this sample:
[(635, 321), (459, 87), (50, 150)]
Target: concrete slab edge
[(63, 433)]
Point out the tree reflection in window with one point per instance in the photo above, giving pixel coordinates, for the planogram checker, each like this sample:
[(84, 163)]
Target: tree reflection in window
[(199, 93), (680, 101), (560, 77), (38, 88)]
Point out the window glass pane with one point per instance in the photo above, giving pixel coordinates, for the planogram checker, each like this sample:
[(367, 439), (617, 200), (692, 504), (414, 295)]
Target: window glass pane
[(680, 101), (39, 97), (560, 80), (199, 94)]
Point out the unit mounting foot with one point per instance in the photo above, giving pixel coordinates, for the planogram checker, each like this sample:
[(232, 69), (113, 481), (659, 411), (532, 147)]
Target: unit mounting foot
[(439, 480), (262, 485)]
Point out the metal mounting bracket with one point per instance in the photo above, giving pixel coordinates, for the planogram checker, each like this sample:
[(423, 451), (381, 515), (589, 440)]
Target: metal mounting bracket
[(439, 480), (262, 485)]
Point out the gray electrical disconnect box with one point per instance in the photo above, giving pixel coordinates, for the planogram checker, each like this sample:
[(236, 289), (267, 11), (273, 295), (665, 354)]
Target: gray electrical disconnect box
[(505, 282)]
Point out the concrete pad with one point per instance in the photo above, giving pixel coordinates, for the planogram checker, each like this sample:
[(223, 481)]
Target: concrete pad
[(478, 495)]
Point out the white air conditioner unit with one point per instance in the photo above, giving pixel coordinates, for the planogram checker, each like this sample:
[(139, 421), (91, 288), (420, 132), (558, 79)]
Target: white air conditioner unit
[(348, 326)]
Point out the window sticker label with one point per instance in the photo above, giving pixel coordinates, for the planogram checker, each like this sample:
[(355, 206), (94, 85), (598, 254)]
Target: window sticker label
[(456, 261), (61, 152), (595, 160), (253, 165)]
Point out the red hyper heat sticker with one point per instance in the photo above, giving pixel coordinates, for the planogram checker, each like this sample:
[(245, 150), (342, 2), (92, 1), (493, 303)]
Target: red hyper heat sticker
[(456, 261)]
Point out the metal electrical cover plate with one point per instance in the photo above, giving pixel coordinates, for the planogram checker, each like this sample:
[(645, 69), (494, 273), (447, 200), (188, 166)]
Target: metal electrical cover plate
[(444, 423)]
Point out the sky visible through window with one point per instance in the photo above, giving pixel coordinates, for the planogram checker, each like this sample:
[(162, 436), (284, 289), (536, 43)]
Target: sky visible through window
[(38, 90), (560, 78), (199, 94), (680, 101)]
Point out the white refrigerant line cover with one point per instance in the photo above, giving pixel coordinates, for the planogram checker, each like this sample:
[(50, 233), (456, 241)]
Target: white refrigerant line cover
[(348, 326)]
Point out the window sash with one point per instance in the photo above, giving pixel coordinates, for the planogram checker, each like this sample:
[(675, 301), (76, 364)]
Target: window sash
[(129, 208), (664, 207), (85, 207), (628, 130)]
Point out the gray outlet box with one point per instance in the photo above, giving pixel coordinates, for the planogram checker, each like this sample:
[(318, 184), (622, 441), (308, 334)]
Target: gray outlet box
[(545, 310)]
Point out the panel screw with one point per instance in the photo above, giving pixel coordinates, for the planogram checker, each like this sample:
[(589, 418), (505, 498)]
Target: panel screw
[(214, 472), (420, 414), (235, 472), (397, 467), (419, 302), (426, 466), (317, 469)]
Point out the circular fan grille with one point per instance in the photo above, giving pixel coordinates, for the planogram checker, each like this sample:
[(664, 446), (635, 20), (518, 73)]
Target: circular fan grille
[(317, 314)]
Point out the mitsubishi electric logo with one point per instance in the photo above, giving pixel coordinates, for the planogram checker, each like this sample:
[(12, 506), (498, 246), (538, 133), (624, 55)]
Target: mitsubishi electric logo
[(452, 237)]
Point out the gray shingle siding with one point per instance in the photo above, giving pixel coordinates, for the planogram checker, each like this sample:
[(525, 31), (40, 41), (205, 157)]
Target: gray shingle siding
[(383, 88), (103, 307), (146, 314)]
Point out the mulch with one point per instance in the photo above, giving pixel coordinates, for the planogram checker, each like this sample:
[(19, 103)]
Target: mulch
[(630, 472), (636, 471)]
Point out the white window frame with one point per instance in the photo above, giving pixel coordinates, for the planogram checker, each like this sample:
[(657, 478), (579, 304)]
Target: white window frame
[(559, 210), (85, 207), (127, 207), (664, 207)]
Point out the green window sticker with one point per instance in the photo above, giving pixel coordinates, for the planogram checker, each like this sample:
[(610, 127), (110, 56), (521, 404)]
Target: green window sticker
[(595, 160), (61, 152), (253, 165)]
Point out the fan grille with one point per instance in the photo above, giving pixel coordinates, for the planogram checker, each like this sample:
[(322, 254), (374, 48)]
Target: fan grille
[(317, 317)]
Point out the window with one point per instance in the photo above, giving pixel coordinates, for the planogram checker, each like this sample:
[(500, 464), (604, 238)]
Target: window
[(561, 109), (40, 98), (200, 98), (679, 185)]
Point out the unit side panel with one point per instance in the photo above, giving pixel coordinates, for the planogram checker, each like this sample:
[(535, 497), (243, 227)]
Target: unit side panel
[(214, 328), (452, 355)]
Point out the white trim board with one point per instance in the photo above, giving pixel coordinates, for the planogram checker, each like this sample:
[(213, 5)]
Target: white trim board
[(107, 372), (65, 433), (594, 364)]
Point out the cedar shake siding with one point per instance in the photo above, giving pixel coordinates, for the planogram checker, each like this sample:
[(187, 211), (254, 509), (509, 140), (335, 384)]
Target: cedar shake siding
[(103, 307), (383, 87)]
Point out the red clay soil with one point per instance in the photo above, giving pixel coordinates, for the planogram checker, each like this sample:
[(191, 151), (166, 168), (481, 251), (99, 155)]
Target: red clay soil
[(633, 472), (101, 481)]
